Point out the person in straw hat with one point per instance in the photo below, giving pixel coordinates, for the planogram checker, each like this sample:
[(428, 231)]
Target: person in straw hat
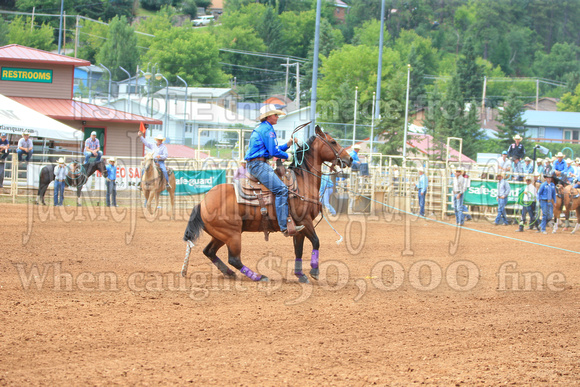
[(528, 201), (528, 165), (547, 197), (421, 186), (517, 148), (111, 183), (458, 190), (263, 146), (503, 192), (160, 154), (559, 167), (93, 148), (568, 172), (60, 172), (25, 147)]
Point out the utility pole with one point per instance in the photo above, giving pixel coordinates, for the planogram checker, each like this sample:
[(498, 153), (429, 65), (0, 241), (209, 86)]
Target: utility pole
[(287, 70), (77, 26), (60, 25), (64, 34), (483, 113), (379, 70), (298, 85)]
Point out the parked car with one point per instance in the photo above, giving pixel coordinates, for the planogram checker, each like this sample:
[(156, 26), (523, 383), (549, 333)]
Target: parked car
[(203, 20)]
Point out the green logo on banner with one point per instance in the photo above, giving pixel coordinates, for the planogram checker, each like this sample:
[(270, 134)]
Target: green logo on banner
[(26, 75), (484, 193), (197, 182)]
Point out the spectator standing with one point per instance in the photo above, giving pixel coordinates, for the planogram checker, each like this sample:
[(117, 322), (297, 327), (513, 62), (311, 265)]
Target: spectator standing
[(355, 159), (326, 189), (4, 152), (60, 172), (466, 184), (528, 204), (517, 148), (517, 169), (504, 163), (457, 191), (503, 192), (93, 148), (528, 166), (422, 185), (25, 147), (111, 183), (547, 197)]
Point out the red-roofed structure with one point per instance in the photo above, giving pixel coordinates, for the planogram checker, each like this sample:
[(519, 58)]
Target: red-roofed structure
[(22, 54), (43, 81), (176, 150)]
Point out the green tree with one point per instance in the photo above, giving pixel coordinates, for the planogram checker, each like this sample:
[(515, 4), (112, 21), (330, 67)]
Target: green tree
[(570, 102), (92, 36), (559, 62), (4, 31), (161, 21), (192, 55), (120, 49), (511, 121), (470, 74), (23, 33), (269, 28), (189, 7), (297, 32), (154, 5)]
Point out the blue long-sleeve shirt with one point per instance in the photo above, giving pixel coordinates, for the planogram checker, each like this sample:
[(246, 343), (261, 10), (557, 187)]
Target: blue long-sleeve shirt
[(355, 159), (423, 183), (547, 191), (559, 165), (264, 143), (503, 188)]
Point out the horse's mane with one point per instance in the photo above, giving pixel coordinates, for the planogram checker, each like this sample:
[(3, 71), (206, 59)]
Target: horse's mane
[(301, 154)]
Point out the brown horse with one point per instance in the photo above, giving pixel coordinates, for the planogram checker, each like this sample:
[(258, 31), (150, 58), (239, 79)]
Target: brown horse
[(566, 202), (224, 219), (153, 183)]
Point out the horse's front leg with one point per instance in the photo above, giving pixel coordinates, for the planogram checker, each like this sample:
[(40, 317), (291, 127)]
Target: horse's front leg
[(298, 250), (311, 235), (79, 189)]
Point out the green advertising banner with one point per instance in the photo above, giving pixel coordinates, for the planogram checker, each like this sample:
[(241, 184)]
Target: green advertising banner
[(26, 75), (484, 193), (197, 182)]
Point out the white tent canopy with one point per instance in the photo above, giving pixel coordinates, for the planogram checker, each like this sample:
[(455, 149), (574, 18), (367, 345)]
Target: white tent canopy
[(15, 118)]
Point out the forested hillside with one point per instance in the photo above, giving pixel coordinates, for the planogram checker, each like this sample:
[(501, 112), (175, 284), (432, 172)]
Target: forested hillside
[(451, 46)]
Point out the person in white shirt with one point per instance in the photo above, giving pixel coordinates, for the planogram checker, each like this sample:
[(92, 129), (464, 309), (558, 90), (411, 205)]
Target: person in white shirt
[(458, 190), (60, 172), (528, 202), (25, 147), (503, 162)]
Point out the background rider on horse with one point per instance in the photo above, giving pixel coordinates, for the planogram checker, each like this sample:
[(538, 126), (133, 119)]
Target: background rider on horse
[(263, 146), (160, 154)]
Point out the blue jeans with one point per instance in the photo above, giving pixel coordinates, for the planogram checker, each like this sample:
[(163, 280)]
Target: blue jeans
[(547, 213), (266, 175), (501, 215), (421, 195), (58, 192), (20, 152), (528, 210), (164, 170), (111, 192), (326, 201), (458, 207), (88, 155)]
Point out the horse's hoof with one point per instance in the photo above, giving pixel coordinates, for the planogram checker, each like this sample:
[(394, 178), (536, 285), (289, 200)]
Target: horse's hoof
[(314, 273), (230, 274), (264, 279), (303, 279)]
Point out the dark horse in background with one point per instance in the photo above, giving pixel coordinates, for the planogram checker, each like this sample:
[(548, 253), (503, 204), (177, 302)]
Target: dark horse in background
[(225, 220), (77, 177)]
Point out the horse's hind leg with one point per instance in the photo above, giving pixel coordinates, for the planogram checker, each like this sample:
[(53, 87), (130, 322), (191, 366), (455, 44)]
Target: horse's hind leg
[(234, 251), (210, 252), (298, 249)]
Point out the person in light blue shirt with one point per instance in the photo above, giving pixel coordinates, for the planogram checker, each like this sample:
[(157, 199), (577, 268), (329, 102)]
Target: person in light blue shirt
[(528, 166), (60, 172), (503, 192), (355, 159), (422, 185), (160, 154), (263, 146), (569, 171), (517, 169), (111, 183), (547, 198), (326, 189)]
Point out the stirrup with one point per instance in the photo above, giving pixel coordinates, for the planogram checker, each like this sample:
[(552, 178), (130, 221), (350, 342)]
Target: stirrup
[(298, 229)]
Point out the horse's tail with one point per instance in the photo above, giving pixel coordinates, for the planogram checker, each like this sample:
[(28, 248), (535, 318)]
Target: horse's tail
[(194, 226)]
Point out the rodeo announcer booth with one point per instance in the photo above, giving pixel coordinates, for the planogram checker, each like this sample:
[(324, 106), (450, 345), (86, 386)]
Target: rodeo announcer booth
[(263, 146)]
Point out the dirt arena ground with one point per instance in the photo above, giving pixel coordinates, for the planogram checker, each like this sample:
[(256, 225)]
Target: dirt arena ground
[(95, 298)]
